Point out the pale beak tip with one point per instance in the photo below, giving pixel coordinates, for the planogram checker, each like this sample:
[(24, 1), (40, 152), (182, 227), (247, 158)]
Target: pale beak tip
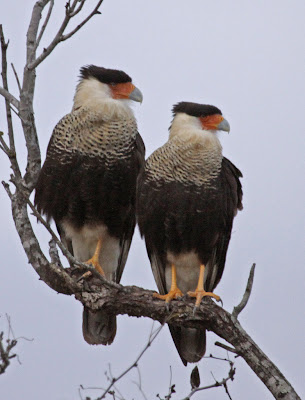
[(136, 95)]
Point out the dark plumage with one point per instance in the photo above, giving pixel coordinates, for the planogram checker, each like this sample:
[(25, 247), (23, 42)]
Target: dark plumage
[(104, 75), (88, 182), (195, 109), (187, 199)]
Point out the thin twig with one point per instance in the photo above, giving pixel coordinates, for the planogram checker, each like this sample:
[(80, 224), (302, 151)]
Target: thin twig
[(139, 383), (4, 145), (152, 337), (5, 352), (9, 97), (78, 27), (223, 382), (43, 28), (238, 309), (59, 37), (7, 189), (110, 379), (170, 387), (77, 10), (17, 78), (226, 347)]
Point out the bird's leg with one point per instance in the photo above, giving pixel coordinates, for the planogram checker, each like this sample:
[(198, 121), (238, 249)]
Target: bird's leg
[(174, 292), (94, 260), (200, 292)]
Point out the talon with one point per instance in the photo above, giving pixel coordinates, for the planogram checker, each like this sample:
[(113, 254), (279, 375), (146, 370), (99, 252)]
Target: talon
[(174, 292), (95, 259), (85, 276), (200, 292)]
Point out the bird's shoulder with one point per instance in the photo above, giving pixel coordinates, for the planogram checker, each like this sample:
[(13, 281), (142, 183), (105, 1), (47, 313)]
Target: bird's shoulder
[(88, 132), (183, 162)]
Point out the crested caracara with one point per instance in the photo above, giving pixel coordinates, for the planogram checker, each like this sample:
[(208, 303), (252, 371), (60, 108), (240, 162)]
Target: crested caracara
[(88, 182), (188, 196)]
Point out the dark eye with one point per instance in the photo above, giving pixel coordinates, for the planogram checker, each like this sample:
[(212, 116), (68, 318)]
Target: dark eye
[(112, 84)]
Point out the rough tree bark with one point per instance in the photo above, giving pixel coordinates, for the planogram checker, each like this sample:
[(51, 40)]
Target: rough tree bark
[(97, 293)]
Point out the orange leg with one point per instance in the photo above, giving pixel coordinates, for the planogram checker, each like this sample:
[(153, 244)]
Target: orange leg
[(94, 260), (174, 292), (200, 292)]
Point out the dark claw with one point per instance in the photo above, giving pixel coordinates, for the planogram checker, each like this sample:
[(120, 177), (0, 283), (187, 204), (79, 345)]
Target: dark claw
[(194, 310)]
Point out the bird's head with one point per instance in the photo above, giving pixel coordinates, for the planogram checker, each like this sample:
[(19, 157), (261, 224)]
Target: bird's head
[(98, 84), (199, 116)]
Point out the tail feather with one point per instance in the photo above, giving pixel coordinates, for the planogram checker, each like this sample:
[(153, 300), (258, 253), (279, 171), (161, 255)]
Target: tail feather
[(98, 327), (190, 343)]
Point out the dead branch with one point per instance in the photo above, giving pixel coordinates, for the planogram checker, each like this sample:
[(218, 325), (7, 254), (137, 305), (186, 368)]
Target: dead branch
[(5, 352), (113, 380), (71, 11), (238, 309), (222, 383)]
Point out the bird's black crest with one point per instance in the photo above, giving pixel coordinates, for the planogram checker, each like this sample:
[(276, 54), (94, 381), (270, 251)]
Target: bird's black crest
[(195, 109), (104, 75)]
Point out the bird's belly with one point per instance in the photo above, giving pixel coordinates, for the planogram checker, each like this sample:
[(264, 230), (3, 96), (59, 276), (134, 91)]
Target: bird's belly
[(187, 267), (84, 242)]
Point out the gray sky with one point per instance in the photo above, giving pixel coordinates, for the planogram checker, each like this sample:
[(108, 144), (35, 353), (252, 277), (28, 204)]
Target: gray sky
[(247, 58)]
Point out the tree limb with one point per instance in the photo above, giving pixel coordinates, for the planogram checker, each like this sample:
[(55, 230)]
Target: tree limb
[(223, 382), (60, 37), (44, 25), (5, 352), (78, 27), (9, 97), (238, 309), (138, 302), (11, 151)]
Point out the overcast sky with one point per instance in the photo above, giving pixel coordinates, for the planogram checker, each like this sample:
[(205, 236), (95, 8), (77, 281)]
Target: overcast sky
[(245, 57)]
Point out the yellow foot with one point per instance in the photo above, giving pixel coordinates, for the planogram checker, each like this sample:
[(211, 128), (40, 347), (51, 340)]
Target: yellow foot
[(172, 294), (85, 276), (94, 262), (199, 294)]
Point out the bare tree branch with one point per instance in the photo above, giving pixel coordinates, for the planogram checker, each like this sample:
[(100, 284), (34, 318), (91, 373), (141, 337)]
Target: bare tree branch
[(224, 346), (222, 383), (238, 309), (5, 352), (94, 12), (6, 348), (113, 380), (17, 77), (12, 151), (26, 100), (59, 37), (138, 302), (77, 10), (44, 25), (152, 337), (9, 97)]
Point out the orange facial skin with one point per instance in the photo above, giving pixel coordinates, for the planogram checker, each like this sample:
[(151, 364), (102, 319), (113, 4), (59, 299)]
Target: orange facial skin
[(122, 90), (211, 122)]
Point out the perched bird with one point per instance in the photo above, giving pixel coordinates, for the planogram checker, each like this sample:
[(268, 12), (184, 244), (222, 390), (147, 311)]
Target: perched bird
[(88, 182), (188, 196)]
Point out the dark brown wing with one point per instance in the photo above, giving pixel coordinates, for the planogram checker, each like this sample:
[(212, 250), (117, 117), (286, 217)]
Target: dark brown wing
[(126, 238), (231, 190)]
